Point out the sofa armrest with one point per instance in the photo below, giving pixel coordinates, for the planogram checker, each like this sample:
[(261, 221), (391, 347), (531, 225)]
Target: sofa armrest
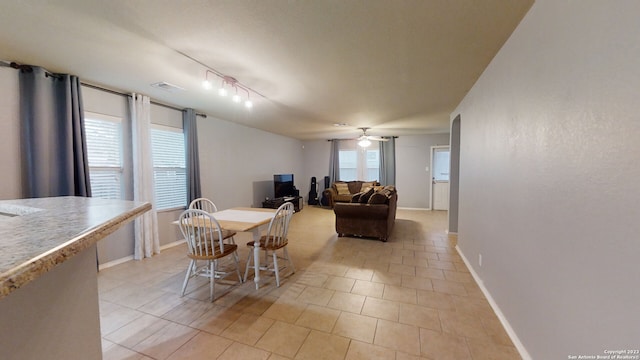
[(357, 210), (330, 194)]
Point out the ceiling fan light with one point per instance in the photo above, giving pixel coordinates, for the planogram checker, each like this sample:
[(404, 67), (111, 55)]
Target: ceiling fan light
[(248, 104), (364, 142), (207, 85), (222, 91)]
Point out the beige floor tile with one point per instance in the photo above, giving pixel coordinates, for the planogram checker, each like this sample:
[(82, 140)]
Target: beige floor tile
[(461, 277), (202, 346), (363, 351), (400, 294), (404, 252), (188, 311), (164, 342), (416, 282), (285, 309), (414, 261), (278, 357), (387, 278), (487, 349), (248, 328), (439, 264), (430, 273), (401, 269), (449, 287), (313, 279), (354, 326), (359, 274), (316, 296), (139, 329), (461, 324), (113, 317), (436, 300), (426, 255), (283, 339), (162, 304), (368, 288), (241, 351), (420, 316), (436, 345), (320, 345), (381, 309), (404, 356), (339, 283), (318, 318), (347, 302), (216, 320), (117, 352), (398, 336)]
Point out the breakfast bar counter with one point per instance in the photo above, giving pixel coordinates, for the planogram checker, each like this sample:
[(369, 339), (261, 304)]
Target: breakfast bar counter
[(48, 274)]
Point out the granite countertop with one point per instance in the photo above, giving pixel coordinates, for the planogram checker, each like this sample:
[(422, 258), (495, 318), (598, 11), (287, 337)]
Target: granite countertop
[(38, 234)]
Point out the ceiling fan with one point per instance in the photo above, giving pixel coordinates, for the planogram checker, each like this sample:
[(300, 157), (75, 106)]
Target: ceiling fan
[(365, 140)]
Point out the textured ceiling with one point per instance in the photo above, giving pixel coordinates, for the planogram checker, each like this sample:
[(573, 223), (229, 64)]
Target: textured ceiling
[(399, 67)]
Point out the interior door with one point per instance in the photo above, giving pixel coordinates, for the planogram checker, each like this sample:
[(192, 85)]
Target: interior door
[(440, 177)]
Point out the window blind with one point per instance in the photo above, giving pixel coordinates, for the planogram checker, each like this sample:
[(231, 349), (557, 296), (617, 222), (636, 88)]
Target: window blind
[(104, 153), (169, 167)]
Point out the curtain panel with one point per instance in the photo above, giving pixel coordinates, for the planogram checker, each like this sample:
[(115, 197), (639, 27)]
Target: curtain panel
[(388, 161), (334, 161), (147, 242), (189, 123), (53, 139)]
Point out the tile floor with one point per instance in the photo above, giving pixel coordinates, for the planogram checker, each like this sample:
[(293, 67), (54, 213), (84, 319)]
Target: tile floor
[(409, 298)]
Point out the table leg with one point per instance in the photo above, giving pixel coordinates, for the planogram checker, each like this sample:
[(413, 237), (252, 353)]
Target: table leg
[(256, 256)]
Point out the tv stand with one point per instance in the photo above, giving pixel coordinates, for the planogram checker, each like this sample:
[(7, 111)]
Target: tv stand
[(275, 203)]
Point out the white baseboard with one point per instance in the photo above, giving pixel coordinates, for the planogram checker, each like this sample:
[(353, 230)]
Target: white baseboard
[(115, 262), (130, 257), (512, 334), (172, 244)]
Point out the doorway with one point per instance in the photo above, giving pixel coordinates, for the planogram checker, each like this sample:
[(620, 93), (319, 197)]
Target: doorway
[(440, 160)]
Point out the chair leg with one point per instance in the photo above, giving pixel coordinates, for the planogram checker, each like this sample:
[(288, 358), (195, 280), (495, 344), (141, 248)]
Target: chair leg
[(235, 258), (187, 276), (213, 267), (286, 254), (246, 270), (275, 268)]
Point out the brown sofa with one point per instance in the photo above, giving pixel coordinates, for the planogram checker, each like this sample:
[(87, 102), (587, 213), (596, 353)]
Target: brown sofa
[(373, 217), (338, 192)]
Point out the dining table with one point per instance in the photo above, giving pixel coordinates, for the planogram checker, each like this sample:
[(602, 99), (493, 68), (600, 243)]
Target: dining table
[(246, 219)]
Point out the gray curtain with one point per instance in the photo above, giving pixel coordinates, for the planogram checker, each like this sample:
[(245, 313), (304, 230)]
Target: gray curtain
[(189, 123), (334, 161), (388, 161), (54, 147)]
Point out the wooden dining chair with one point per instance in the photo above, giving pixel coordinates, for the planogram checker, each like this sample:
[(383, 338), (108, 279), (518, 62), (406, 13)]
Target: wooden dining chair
[(207, 242), (203, 204), (275, 239)]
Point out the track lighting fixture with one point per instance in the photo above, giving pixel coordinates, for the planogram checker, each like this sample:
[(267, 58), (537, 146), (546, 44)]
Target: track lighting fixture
[(230, 84)]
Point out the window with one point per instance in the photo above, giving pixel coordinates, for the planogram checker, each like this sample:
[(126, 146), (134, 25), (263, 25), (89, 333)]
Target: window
[(104, 152), (358, 163), (169, 167)]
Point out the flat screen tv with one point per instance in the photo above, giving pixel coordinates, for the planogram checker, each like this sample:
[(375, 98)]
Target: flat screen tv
[(283, 185)]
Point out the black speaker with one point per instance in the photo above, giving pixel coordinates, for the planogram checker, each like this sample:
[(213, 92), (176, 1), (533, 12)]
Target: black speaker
[(313, 192)]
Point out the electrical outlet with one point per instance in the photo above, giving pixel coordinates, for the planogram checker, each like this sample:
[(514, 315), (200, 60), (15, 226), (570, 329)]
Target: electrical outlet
[(480, 260)]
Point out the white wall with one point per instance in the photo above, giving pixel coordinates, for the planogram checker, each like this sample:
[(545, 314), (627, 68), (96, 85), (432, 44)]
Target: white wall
[(237, 163), (412, 160), (549, 175), (10, 159), (316, 163)]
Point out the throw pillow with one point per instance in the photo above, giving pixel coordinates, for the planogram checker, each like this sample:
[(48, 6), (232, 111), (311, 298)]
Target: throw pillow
[(364, 198), (343, 189), (366, 185), (378, 198), (356, 197)]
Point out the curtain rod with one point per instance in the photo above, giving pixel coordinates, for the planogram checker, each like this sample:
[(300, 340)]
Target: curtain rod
[(129, 95)]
